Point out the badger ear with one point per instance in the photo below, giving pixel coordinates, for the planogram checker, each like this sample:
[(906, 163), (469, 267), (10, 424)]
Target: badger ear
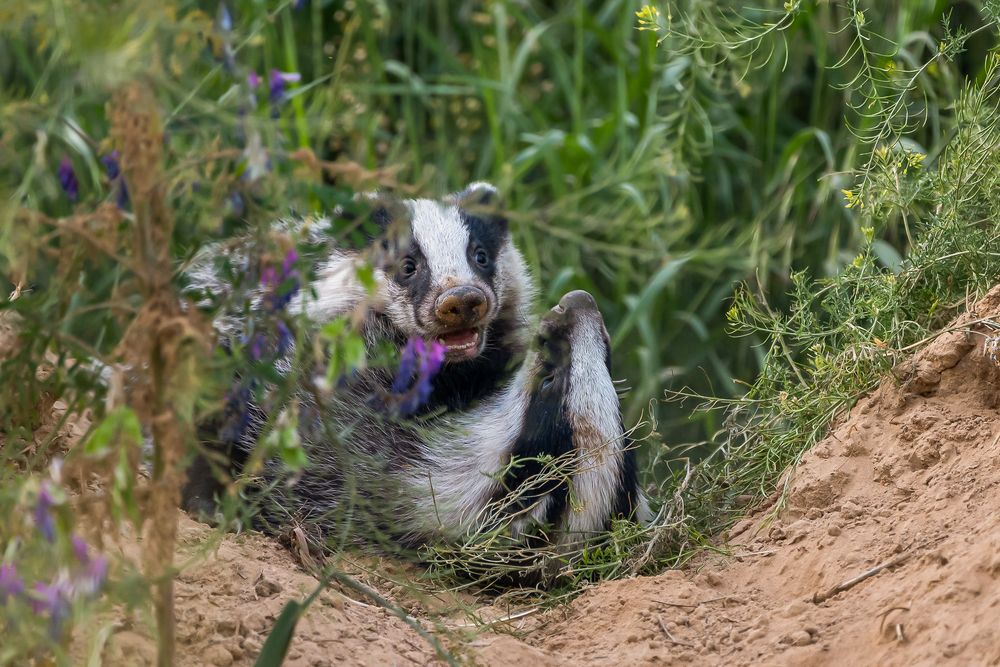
[(479, 193), (481, 200)]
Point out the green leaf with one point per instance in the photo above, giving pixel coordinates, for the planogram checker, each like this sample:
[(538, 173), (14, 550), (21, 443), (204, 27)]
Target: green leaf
[(272, 654), (120, 426)]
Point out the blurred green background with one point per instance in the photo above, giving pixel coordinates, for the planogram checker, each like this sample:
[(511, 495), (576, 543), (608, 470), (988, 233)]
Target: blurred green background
[(656, 169)]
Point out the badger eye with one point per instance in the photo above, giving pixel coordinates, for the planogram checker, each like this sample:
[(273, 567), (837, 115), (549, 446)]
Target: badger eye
[(408, 267), (482, 257), (546, 382)]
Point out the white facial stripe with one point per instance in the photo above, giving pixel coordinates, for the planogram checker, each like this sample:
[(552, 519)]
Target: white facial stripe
[(443, 240)]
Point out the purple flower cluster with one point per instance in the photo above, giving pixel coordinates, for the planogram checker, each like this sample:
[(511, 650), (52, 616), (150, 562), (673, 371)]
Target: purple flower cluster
[(55, 598), (422, 360), (280, 287), (113, 169), (67, 179), (43, 513), (278, 83)]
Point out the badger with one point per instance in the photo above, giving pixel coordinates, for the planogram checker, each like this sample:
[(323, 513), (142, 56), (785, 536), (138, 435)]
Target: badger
[(521, 431)]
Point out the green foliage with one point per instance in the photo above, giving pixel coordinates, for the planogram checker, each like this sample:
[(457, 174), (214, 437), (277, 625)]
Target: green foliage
[(840, 336)]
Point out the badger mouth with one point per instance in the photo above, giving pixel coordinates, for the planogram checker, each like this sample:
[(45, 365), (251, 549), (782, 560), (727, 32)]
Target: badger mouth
[(461, 344)]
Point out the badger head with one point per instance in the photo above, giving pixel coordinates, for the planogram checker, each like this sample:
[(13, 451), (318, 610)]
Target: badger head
[(450, 271)]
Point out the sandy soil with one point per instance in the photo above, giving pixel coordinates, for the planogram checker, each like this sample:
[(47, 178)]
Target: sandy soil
[(904, 489)]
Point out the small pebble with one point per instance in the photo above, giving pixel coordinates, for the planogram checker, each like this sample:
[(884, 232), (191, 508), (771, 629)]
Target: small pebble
[(801, 638), (218, 655)]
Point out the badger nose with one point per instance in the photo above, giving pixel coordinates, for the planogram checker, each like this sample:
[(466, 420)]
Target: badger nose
[(460, 306)]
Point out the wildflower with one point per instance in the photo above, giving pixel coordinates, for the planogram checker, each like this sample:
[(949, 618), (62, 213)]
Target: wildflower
[(420, 359), (298, 4), (11, 585), (272, 281), (43, 514), (53, 599), (91, 579), (80, 549), (852, 198), (113, 169), (94, 570), (253, 80), (257, 346), (224, 20), (407, 365), (67, 179), (284, 337), (278, 82)]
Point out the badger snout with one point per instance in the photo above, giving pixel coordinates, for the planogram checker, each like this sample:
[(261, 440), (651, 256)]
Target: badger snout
[(462, 306), (461, 311)]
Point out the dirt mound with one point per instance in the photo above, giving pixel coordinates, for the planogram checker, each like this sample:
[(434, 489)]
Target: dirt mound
[(886, 552), (228, 599)]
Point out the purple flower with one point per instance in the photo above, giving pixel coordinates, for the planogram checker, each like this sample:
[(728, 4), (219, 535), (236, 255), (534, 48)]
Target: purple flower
[(407, 365), (278, 82), (94, 571), (284, 336), (92, 579), (257, 346), (11, 585), (52, 599), (280, 288), (424, 360), (80, 549), (111, 166), (43, 514), (298, 4), (113, 169), (67, 179), (253, 80)]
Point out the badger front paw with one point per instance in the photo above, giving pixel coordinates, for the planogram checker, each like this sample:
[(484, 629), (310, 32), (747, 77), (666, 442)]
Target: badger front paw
[(573, 424)]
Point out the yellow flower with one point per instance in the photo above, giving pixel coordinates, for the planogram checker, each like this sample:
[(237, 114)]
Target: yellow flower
[(852, 199)]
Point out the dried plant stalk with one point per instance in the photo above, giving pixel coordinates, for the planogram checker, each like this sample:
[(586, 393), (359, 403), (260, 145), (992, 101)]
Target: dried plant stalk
[(162, 343)]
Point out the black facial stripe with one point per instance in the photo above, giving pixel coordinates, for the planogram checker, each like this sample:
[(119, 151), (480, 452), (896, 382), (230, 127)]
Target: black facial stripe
[(489, 233)]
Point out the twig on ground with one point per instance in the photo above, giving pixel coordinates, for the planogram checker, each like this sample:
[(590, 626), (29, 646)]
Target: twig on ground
[(851, 583), (670, 637), (691, 605)]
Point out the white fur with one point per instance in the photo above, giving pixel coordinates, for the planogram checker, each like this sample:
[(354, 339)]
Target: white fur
[(443, 239), (338, 290), (597, 430), (466, 455)]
